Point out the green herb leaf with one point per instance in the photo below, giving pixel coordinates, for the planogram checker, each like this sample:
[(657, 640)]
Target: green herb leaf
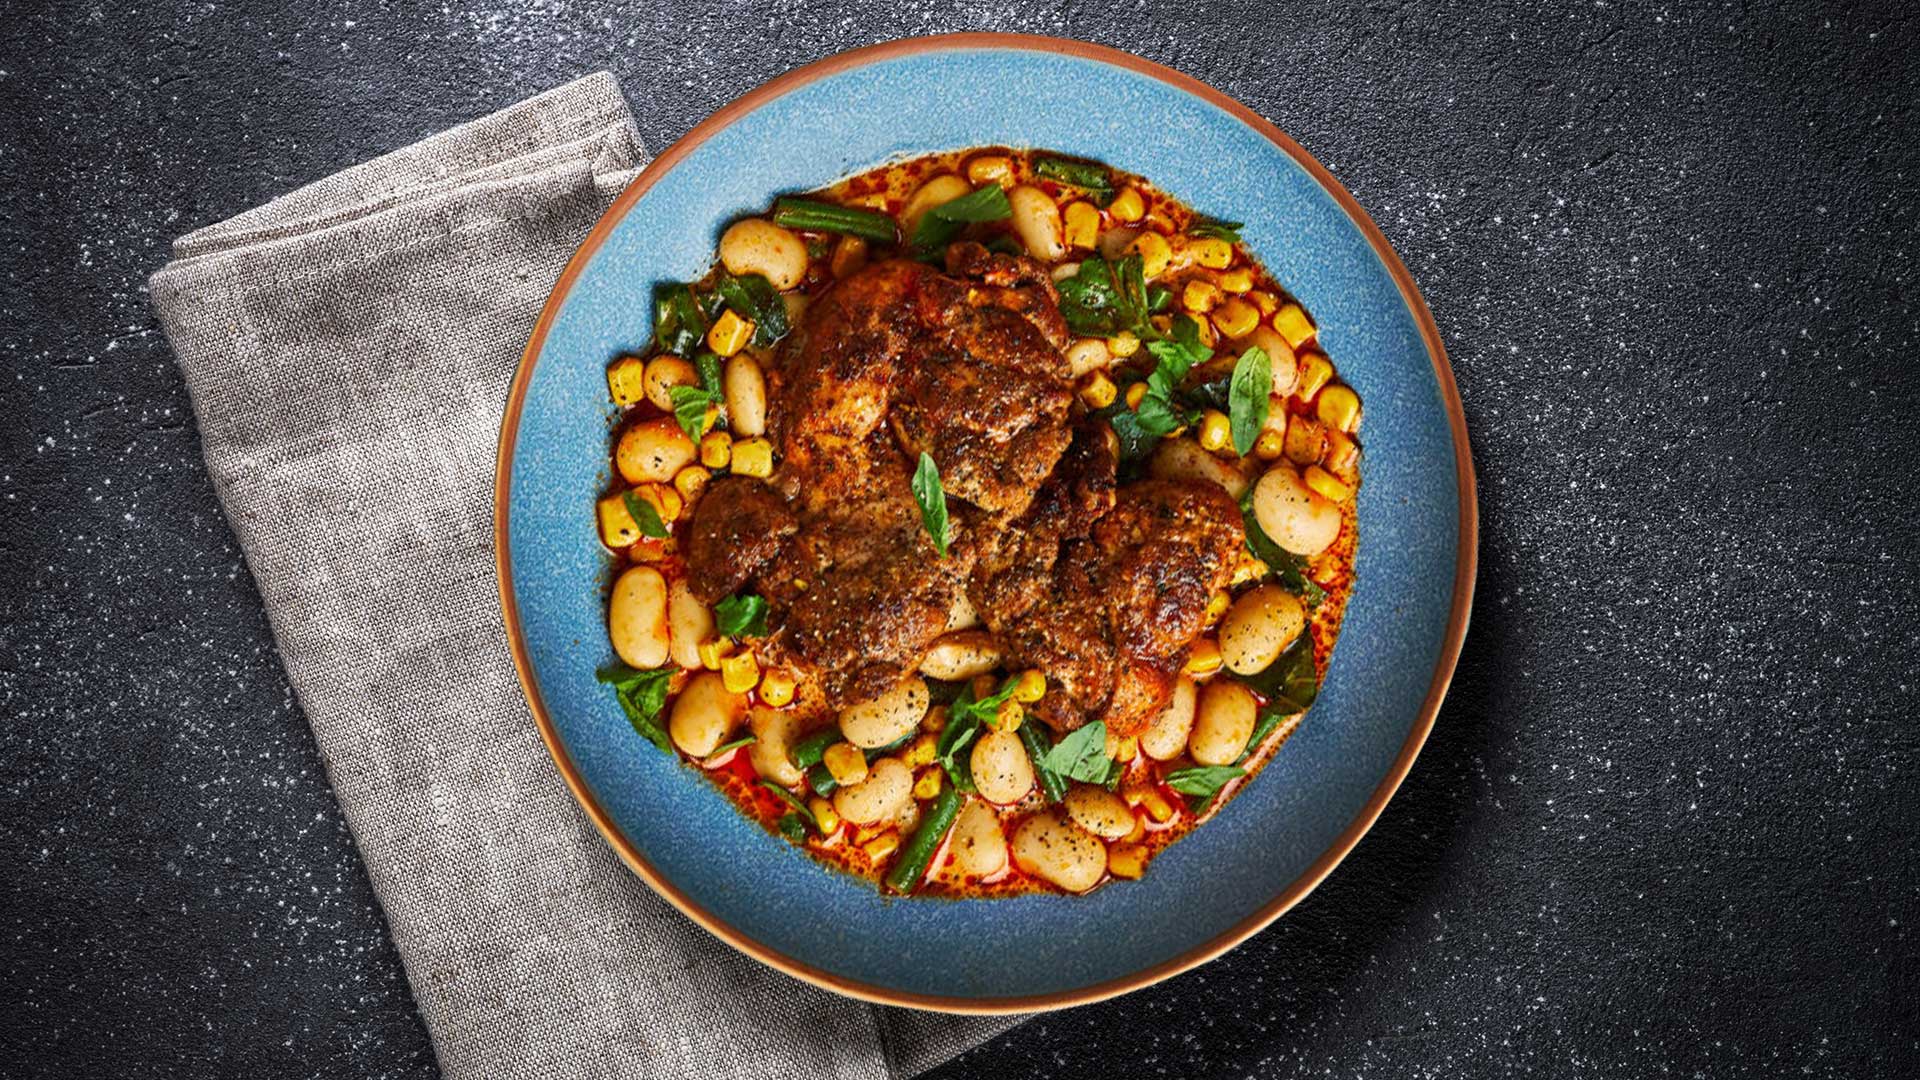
[(1291, 569), (1292, 682), (933, 501), (1249, 397), (1082, 754), (644, 515), (690, 408), (708, 365), (679, 323), (1084, 175), (1216, 228), (744, 615), (1104, 298), (944, 222), (642, 694), (1160, 413), (792, 801), (753, 297), (1203, 781), (793, 827), (1262, 727), (736, 744)]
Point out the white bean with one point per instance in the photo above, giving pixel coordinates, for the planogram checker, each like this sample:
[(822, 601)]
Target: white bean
[(1001, 769), (689, 622), (1183, 459), (745, 389), (977, 846), (961, 655), (1295, 516), (773, 731), (886, 718), (961, 615), (1222, 723), (1054, 850), (1088, 355), (662, 375), (940, 189), (651, 452), (887, 788), (1099, 811), (704, 714), (1258, 627), (637, 618), (754, 246), (1064, 271), (1037, 220), (1166, 737)]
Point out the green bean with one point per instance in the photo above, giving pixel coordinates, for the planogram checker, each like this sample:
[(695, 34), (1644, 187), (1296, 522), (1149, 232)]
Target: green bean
[(1052, 783), (911, 866), (1078, 174), (807, 752), (821, 780), (813, 216)]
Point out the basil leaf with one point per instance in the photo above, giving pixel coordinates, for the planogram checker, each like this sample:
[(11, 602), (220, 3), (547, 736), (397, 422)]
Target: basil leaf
[(1248, 398), (1081, 174), (942, 223), (1290, 568), (1104, 298), (1082, 754), (644, 515), (708, 364), (792, 827), (1291, 683), (1204, 781), (1215, 228), (788, 797), (679, 324), (642, 694), (952, 746), (753, 297), (1262, 727), (690, 408), (1136, 442), (933, 501), (744, 615)]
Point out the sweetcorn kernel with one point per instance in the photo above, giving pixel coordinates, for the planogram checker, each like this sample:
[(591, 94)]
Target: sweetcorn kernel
[(713, 652), (1123, 344), (1236, 281), (617, 527), (989, 169), (1338, 408), (1216, 431), (824, 815), (1236, 318), (1082, 224), (753, 457), (1265, 301), (1136, 394), (1269, 445), (1305, 441), (1155, 254), (1342, 454), (1126, 749), (730, 333), (716, 449), (1211, 252), (928, 783), (740, 672), (1157, 806), (1127, 206), (1127, 861), (691, 481), (1314, 373), (1326, 484), (935, 720), (776, 688), (626, 380), (1249, 568), (882, 847), (1200, 296), (845, 761), (1098, 391), (1031, 687), (1217, 605), (1205, 657), (1008, 716), (1292, 322), (921, 751)]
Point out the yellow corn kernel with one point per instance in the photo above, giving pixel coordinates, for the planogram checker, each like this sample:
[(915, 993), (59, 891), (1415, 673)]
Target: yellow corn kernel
[(740, 672), (1200, 296), (1236, 318), (921, 751), (989, 169), (1157, 806), (872, 200), (867, 832), (1123, 344), (845, 761), (626, 380), (1031, 687), (617, 527), (1127, 749), (882, 847), (1269, 445), (716, 449), (713, 652), (691, 481), (927, 785), (776, 688), (1314, 373), (1211, 252), (753, 457), (1136, 394), (1236, 281), (824, 815), (1293, 324), (1082, 224), (1326, 484), (1127, 206), (1138, 832), (1208, 335), (1248, 569), (1205, 657), (1008, 716), (1265, 301), (1339, 408), (1342, 454), (1155, 254), (936, 719), (730, 333), (1217, 605), (1127, 861), (1216, 431), (1305, 441), (665, 501), (1098, 391), (849, 255)]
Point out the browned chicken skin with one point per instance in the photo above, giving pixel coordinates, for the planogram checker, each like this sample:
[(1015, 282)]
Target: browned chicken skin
[(1103, 593)]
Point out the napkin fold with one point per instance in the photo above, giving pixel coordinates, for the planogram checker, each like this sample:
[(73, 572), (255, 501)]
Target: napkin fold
[(348, 349)]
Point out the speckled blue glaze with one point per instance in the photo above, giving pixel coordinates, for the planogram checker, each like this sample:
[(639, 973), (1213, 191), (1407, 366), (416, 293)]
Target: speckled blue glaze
[(1262, 841)]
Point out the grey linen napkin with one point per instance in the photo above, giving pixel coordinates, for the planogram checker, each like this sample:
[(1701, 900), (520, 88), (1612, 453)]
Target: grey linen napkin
[(348, 349)]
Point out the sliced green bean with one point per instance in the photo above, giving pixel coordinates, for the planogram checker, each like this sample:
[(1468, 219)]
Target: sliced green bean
[(814, 216), (1078, 174), (1051, 783), (807, 752), (911, 866)]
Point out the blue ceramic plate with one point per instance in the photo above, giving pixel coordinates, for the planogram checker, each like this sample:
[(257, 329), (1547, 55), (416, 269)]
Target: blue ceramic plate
[(1271, 844)]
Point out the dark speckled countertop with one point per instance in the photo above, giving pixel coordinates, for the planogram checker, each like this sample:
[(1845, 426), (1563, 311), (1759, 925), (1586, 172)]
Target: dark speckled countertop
[(1665, 824)]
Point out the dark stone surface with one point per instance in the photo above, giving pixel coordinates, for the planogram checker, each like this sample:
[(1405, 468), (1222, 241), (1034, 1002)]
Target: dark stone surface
[(1664, 826)]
